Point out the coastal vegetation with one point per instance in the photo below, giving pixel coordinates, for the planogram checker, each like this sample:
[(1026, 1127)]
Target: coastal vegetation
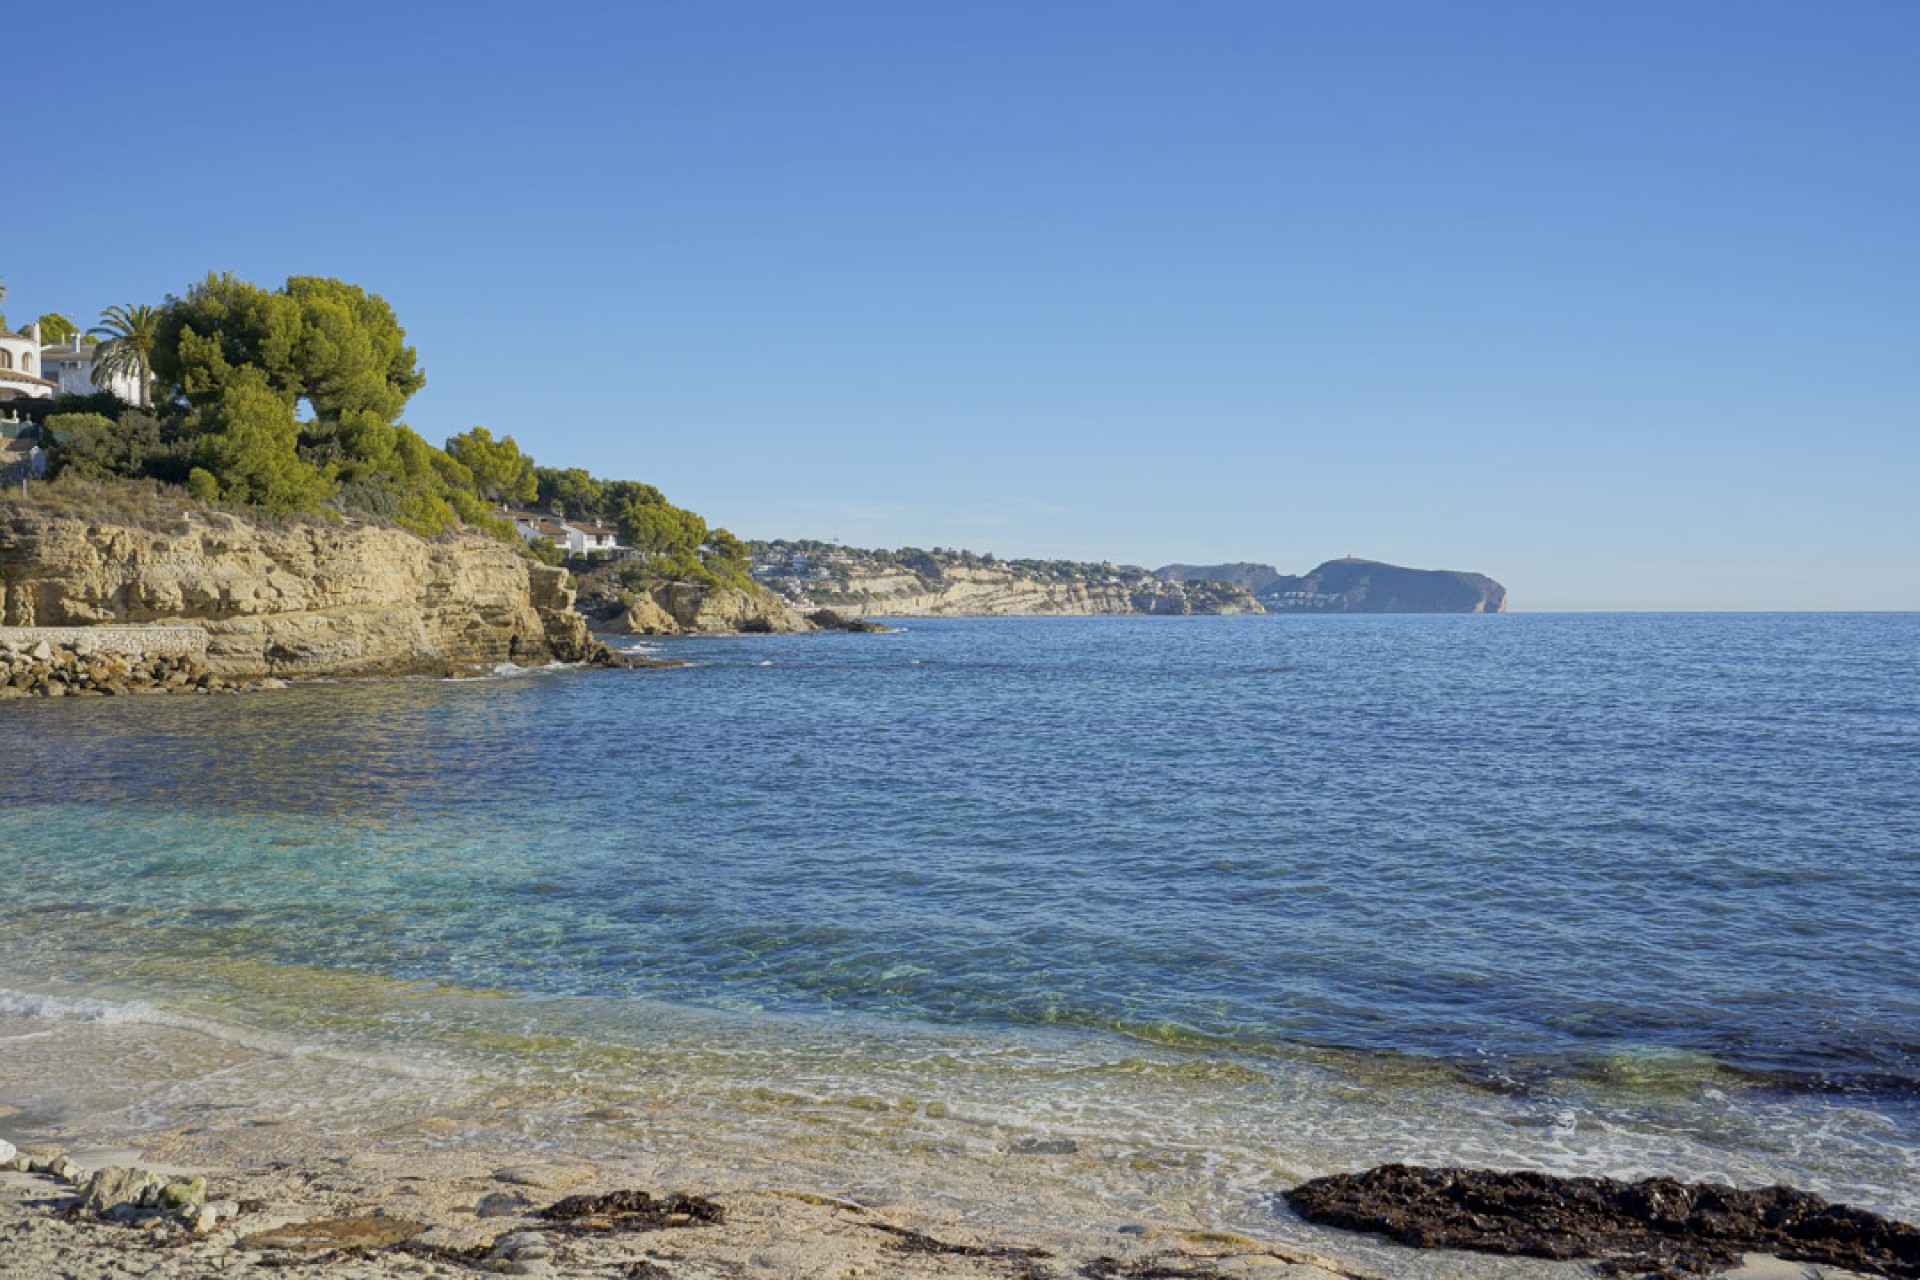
[(289, 403)]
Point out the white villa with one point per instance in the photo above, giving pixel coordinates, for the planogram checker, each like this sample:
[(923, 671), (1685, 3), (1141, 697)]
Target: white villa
[(20, 376), (32, 370), (575, 537)]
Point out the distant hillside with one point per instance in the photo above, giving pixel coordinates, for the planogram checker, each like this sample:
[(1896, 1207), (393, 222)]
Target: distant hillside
[(1353, 586), (912, 582)]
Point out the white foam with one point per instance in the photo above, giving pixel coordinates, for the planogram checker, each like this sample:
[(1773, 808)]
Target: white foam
[(514, 671), (93, 1011), (30, 1004)]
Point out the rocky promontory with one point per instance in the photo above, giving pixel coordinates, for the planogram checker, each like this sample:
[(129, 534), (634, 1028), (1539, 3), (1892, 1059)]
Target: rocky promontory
[(1351, 585), (321, 598), (692, 609)]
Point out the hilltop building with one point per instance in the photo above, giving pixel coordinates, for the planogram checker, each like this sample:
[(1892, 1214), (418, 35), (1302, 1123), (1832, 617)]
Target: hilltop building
[(20, 376), (33, 370)]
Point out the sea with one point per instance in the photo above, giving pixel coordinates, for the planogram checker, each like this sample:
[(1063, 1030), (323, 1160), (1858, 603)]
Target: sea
[(1151, 918)]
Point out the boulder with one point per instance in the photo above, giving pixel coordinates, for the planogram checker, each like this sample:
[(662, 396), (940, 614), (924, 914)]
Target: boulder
[(115, 1192)]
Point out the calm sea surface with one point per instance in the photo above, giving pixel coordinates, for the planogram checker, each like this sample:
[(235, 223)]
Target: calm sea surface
[(1596, 893)]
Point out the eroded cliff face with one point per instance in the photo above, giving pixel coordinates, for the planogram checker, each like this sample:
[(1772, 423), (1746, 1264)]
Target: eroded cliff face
[(1000, 590), (343, 599), (681, 608)]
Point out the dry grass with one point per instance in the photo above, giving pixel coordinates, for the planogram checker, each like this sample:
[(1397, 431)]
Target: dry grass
[(160, 508), (141, 504)]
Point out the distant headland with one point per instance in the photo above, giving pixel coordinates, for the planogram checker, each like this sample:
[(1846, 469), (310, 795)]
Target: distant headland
[(949, 583)]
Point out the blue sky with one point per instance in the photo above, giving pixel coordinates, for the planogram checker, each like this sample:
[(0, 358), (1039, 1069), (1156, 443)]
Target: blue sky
[(1618, 302)]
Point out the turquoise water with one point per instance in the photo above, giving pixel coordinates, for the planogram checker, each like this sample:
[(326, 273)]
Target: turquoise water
[(1651, 880)]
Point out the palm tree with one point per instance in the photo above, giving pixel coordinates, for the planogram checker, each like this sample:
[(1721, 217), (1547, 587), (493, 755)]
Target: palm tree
[(129, 335)]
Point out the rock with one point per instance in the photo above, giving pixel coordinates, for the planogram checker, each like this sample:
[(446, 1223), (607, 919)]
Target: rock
[(115, 1192), (342, 599), (634, 1210), (1043, 1147), (335, 1233), (547, 1177), (521, 1246), (1656, 1225), (66, 1170), (683, 608), (184, 1194), (502, 1204), (828, 620), (7, 1152)]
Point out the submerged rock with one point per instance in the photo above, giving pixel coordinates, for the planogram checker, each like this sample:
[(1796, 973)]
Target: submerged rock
[(502, 1204), (1659, 1226), (547, 1177), (336, 1233)]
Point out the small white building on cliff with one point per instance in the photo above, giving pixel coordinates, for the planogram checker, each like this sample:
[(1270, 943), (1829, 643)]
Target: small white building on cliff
[(20, 369), (32, 370), (575, 537)]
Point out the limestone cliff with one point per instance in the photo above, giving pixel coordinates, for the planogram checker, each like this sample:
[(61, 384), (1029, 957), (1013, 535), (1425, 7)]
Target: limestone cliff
[(304, 600), (683, 608), (921, 584)]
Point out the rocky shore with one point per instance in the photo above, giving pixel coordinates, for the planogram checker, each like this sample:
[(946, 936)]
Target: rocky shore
[(298, 601), (46, 671), (371, 1212), (1658, 1227), (368, 1214)]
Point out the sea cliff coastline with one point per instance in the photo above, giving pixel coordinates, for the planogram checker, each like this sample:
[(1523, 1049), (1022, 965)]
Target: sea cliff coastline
[(294, 601), (911, 582)]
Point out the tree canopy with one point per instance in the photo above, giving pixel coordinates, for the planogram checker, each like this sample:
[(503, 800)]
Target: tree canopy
[(129, 336), (289, 400), (500, 471), (57, 330), (295, 396)]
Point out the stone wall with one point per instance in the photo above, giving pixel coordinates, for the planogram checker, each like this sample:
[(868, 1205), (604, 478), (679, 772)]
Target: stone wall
[(125, 642), (58, 662)]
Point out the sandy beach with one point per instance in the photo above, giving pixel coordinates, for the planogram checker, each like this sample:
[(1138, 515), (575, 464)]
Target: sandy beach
[(390, 1206), (400, 1201)]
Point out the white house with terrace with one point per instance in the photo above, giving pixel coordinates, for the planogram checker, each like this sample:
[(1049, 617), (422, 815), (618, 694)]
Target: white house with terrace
[(575, 537), (20, 376), (33, 370)]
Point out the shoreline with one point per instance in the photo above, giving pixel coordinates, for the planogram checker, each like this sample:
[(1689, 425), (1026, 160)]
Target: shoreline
[(300, 1132), (361, 1210)]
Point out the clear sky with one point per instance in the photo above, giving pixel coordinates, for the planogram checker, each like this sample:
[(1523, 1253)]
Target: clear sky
[(1618, 302)]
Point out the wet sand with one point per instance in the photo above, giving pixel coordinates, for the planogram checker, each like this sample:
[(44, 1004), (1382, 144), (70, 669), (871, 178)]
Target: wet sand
[(403, 1201)]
